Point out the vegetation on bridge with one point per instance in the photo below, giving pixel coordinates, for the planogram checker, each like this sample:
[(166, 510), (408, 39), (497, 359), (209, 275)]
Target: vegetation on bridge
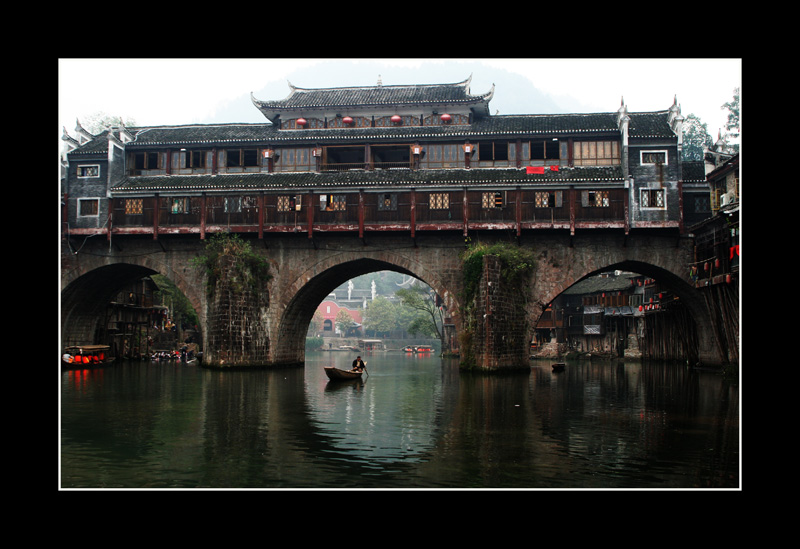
[(225, 249)]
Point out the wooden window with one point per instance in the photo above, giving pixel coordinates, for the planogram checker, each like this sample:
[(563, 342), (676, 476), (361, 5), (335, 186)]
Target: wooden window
[(545, 149), (241, 158), (134, 206), (653, 158), (333, 202), (547, 199), (653, 198), (596, 153), (439, 201), (89, 171), (595, 199), (294, 160), (88, 207), (289, 203), (233, 204), (387, 202), (142, 161), (180, 206), (493, 151), (443, 156), (492, 200)]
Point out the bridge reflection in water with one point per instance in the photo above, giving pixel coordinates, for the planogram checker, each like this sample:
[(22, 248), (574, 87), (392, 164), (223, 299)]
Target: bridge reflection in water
[(416, 422)]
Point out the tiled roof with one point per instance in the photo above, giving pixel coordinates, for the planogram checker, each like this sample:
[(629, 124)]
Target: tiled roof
[(693, 172), (205, 135), (362, 179), (374, 96)]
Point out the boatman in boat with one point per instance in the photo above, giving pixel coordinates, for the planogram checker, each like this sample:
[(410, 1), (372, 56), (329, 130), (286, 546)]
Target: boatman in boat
[(358, 365)]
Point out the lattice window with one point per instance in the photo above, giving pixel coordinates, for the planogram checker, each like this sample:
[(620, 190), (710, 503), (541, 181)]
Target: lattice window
[(233, 204), (88, 207), (653, 198), (595, 199), (333, 202), (134, 206), (387, 202), (180, 205), (492, 200), (439, 201)]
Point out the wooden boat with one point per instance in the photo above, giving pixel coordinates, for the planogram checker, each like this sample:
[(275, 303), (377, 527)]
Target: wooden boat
[(335, 374), (558, 367), (84, 356)]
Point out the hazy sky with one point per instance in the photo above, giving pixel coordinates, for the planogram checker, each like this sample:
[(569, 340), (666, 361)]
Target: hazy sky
[(183, 91)]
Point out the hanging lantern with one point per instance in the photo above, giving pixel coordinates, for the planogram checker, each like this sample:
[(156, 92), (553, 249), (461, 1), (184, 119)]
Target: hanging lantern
[(301, 122), (728, 278), (446, 118), (660, 295), (716, 263), (705, 266), (640, 308), (347, 120), (397, 119)]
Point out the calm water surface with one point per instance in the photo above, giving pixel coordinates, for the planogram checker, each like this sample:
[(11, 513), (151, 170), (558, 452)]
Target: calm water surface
[(414, 422)]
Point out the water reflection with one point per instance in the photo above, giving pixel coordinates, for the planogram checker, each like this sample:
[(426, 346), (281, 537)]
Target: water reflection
[(414, 421)]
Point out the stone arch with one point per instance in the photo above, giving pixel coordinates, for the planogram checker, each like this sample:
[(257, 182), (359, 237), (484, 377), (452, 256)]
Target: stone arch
[(688, 294), (297, 302), (87, 290)]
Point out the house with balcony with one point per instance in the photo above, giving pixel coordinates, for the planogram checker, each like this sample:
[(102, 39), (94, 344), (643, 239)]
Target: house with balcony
[(410, 158)]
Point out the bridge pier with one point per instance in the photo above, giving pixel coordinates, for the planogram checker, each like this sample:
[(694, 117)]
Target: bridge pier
[(496, 335)]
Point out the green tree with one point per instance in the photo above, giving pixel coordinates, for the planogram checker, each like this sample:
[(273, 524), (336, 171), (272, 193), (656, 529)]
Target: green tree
[(381, 316), (343, 321), (168, 293), (695, 138), (733, 114), (422, 299)]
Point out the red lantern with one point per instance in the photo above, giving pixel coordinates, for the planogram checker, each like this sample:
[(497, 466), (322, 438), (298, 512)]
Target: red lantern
[(397, 119), (347, 120), (640, 308), (728, 278), (301, 122), (446, 118)]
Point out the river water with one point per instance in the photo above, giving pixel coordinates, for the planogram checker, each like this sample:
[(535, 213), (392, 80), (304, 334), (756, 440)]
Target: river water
[(414, 422)]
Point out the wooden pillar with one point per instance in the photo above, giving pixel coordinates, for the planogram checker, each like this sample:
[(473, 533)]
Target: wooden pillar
[(310, 214), (156, 212), (361, 214), (203, 208), (413, 213)]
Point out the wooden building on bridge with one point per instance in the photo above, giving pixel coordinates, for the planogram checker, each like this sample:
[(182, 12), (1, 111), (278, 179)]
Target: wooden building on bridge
[(381, 158)]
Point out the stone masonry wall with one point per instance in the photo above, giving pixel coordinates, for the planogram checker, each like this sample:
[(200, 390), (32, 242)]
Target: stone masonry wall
[(237, 334), (500, 338)]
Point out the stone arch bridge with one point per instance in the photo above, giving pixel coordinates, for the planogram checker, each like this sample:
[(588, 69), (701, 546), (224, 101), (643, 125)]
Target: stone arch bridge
[(305, 270)]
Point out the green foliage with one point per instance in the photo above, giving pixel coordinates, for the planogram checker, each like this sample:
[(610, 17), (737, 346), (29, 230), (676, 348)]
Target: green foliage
[(695, 138), (517, 265), (252, 270), (167, 292)]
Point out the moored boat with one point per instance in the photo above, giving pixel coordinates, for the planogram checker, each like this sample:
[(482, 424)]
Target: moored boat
[(558, 367), (83, 356), (335, 374)]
